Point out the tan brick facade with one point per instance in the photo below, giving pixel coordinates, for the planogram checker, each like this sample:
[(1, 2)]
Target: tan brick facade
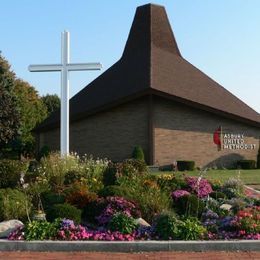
[(184, 133), (111, 134), (177, 132)]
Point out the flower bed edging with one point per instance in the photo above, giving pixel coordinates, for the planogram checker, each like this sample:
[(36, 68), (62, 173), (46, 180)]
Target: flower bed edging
[(131, 246)]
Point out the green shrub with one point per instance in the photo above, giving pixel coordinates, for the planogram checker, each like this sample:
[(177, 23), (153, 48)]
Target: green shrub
[(92, 210), (151, 200), (166, 226), (73, 176), (134, 165), (138, 153), (185, 165), (44, 152), (246, 164), (81, 198), (113, 190), (170, 182), (191, 229), (122, 223), (258, 159), (64, 211), (93, 172), (217, 195), (189, 206), (54, 168), (10, 172), (110, 174), (14, 204), (50, 198), (257, 202), (130, 169), (166, 168), (41, 230)]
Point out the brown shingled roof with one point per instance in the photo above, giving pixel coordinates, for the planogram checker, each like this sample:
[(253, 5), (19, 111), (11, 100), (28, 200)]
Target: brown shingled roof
[(152, 64)]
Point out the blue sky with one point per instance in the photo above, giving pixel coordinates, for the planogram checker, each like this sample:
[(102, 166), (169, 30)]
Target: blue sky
[(220, 37)]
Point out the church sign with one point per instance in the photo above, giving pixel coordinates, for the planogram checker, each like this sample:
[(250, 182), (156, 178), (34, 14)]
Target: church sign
[(231, 141)]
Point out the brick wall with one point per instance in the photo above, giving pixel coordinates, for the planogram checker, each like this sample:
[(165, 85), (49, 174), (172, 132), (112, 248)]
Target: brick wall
[(180, 133), (183, 133), (111, 134)]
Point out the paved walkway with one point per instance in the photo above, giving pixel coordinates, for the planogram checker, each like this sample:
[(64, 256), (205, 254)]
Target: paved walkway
[(130, 256), (251, 192)]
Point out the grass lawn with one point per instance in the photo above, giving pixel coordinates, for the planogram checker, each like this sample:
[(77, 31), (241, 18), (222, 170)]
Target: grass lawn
[(247, 176)]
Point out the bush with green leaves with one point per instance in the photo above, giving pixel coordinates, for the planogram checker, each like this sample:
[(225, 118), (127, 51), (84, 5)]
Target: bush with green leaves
[(191, 229), (14, 204), (50, 198), (171, 182), (110, 175), (217, 195), (129, 169), (122, 223), (113, 190), (64, 211), (185, 165), (246, 164), (150, 199), (10, 172), (189, 206), (166, 226), (93, 170), (92, 210), (44, 151), (54, 168), (138, 153), (73, 176), (41, 230)]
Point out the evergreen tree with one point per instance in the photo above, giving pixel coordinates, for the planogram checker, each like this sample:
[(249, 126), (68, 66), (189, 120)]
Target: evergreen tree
[(138, 153)]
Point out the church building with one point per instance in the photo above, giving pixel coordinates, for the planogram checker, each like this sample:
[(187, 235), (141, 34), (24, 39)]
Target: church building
[(154, 98)]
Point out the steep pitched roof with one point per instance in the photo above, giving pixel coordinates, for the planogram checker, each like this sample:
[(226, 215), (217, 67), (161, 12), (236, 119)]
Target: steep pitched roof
[(152, 63)]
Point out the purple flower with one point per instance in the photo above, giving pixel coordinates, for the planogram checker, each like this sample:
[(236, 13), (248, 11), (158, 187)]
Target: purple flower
[(179, 193), (117, 204), (199, 185)]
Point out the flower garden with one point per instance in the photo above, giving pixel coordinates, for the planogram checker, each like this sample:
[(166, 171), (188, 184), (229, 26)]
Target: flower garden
[(77, 198)]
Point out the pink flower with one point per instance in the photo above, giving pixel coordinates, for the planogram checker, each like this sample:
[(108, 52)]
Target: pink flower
[(179, 193)]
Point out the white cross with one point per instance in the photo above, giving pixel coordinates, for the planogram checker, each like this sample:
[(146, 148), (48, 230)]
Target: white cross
[(64, 68)]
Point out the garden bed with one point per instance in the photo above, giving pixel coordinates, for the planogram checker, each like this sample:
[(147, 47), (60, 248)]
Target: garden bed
[(99, 201)]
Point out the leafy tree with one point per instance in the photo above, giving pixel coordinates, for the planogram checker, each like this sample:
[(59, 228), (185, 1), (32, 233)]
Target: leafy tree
[(32, 112), (9, 113), (52, 102)]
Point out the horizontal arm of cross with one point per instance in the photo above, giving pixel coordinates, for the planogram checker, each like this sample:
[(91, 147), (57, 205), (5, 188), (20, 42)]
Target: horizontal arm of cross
[(69, 67), (50, 67), (83, 66)]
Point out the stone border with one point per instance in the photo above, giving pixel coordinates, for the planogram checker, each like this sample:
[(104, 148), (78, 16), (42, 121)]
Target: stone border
[(132, 246)]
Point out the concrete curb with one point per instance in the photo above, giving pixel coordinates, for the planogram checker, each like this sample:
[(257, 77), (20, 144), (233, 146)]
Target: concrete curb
[(132, 246)]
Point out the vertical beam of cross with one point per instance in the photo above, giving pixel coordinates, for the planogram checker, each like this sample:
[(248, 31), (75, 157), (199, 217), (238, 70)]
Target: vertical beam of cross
[(65, 84), (64, 68)]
